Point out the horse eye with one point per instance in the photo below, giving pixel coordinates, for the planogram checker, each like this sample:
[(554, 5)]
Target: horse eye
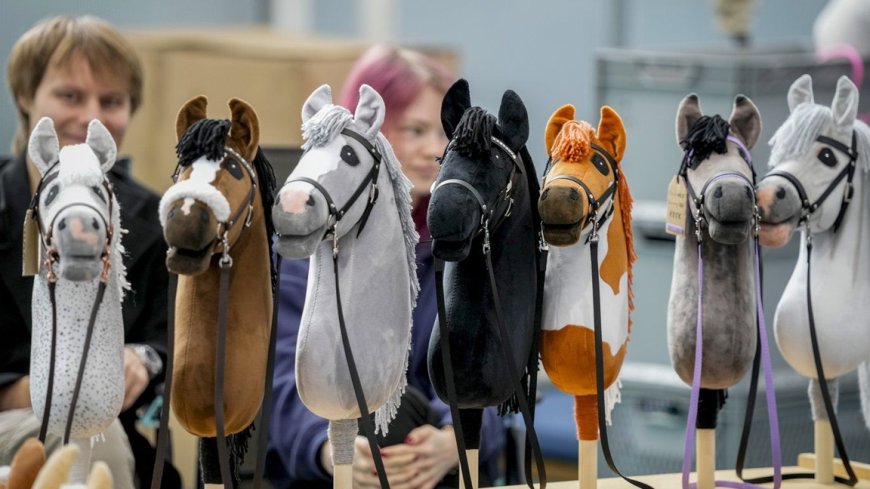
[(52, 194), (233, 167), (99, 194), (348, 155), (826, 156), (600, 164)]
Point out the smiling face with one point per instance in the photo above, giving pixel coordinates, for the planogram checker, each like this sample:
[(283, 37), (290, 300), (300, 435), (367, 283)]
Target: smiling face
[(73, 95)]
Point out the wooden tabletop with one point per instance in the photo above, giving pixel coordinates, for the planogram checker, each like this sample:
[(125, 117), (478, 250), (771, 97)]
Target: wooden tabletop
[(673, 481)]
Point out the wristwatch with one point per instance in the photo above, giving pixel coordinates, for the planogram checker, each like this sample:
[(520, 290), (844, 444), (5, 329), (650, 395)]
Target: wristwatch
[(152, 361)]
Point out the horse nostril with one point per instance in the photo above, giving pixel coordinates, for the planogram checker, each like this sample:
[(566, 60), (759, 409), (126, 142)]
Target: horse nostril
[(203, 216), (748, 192), (96, 224), (310, 201), (575, 195), (545, 194), (718, 193), (172, 213), (62, 224), (780, 193)]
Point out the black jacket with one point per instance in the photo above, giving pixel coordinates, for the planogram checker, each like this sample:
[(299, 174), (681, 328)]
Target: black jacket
[(144, 306)]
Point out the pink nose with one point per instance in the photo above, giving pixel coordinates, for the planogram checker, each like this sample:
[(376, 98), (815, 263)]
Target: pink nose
[(294, 201), (765, 198)]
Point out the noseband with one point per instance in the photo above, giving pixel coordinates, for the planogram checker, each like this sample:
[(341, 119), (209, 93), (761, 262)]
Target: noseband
[(336, 213), (594, 204), (501, 206), (46, 234), (698, 198), (807, 208), (221, 242)]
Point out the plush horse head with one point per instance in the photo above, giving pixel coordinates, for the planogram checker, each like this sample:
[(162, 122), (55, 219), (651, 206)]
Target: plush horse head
[(348, 203), (216, 216), (482, 205), (585, 187), (819, 163), (83, 273), (719, 178)]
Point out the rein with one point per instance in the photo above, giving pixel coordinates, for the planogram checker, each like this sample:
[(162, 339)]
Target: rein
[(762, 352), (596, 221), (497, 211), (807, 209), (47, 242), (335, 216)]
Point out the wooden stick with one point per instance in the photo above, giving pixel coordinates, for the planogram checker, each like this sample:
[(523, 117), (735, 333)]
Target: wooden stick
[(473, 458), (824, 448), (214, 486), (705, 458), (342, 477), (588, 464)]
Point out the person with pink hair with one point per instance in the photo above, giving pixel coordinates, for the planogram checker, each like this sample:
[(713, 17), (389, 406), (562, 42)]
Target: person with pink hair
[(420, 449)]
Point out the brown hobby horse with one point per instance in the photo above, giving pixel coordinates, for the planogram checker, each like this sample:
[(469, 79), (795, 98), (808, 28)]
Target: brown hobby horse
[(216, 222)]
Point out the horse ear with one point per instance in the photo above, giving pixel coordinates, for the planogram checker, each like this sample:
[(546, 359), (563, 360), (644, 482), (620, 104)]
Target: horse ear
[(193, 110), (55, 472), (101, 476), (245, 131), (102, 144), (562, 115), (745, 120), (687, 114), (456, 101), (845, 106), (319, 98), (611, 132), (43, 146), (513, 120), (801, 91), (26, 464), (369, 113)]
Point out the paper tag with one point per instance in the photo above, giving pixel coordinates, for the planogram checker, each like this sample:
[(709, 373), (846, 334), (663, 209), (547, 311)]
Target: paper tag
[(30, 264), (676, 218)]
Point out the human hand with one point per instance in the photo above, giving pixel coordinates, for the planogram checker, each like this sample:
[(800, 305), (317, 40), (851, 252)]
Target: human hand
[(16, 395), (135, 377), (427, 455)]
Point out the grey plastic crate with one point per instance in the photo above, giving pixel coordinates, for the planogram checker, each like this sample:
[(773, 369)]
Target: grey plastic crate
[(645, 87)]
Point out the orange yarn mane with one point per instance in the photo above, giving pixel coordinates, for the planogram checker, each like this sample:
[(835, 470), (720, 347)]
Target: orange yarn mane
[(625, 203), (572, 143)]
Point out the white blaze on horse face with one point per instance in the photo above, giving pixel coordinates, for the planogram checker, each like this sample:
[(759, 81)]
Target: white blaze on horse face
[(79, 177), (315, 164), (197, 187)]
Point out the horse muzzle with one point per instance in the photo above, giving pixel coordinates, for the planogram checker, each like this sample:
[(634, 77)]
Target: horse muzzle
[(79, 236), (301, 219), (780, 207), (563, 211), (729, 206), (190, 230), (452, 225)]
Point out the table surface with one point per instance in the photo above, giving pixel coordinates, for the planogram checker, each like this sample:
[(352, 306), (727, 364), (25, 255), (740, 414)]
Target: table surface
[(673, 481)]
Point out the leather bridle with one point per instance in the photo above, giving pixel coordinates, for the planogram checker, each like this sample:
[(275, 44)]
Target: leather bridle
[(595, 204), (848, 172)]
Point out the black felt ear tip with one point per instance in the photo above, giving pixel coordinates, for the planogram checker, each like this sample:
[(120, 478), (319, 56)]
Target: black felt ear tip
[(513, 120), (456, 101)]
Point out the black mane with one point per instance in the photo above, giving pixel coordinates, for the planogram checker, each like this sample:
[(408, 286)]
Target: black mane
[(206, 137), (707, 134), (268, 187), (472, 135)]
